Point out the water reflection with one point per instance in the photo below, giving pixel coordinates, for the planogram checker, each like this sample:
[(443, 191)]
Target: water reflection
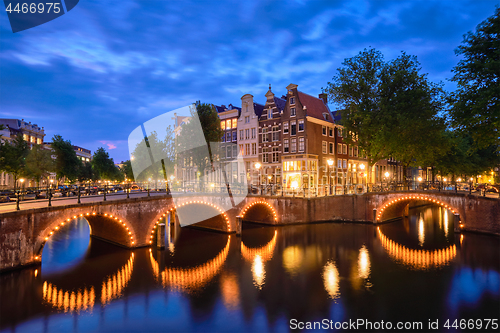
[(69, 300), (192, 278), (292, 259), (331, 279), (363, 263), (421, 233), (113, 287), (417, 259)]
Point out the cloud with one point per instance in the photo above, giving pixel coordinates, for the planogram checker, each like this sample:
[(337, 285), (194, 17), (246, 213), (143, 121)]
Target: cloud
[(110, 144)]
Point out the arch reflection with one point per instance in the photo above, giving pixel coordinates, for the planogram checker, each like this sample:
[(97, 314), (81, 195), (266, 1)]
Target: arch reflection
[(83, 299), (258, 256), (189, 279), (417, 259)]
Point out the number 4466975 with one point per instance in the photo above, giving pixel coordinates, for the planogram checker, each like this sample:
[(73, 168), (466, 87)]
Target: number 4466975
[(472, 324), (34, 8)]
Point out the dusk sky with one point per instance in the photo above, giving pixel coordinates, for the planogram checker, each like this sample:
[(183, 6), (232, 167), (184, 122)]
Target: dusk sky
[(99, 71)]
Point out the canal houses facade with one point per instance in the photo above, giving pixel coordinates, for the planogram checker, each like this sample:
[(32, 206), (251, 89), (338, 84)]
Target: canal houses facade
[(229, 142), (248, 139), (270, 145)]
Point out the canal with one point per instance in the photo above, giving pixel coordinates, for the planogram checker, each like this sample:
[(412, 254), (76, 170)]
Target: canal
[(411, 271)]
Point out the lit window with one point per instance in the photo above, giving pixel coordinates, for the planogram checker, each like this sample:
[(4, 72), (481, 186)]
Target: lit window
[(223, 125), (247, 149), (241, 149), (235, 122), (228, 124)]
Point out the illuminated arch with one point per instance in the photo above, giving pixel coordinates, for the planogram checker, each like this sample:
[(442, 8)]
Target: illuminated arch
[(391, 202), (418, 259), (187, 279), (174, 208), (84, 298), (257, 202), (56, 227), (265, 252)]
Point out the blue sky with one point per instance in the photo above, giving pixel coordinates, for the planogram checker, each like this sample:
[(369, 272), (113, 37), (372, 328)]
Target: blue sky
[(97, 72)]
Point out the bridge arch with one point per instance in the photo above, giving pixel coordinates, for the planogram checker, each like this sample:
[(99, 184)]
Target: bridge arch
[(175, 208), (253, 212), (394, 206), (108, 227)]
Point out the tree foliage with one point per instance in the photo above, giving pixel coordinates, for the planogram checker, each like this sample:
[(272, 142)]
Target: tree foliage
[(389, 108), (67, 163), (476, 104), (104, 167), (13, 157), (39, 163)]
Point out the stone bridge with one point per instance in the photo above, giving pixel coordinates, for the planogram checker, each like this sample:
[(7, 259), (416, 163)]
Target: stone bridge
[(132, 222)]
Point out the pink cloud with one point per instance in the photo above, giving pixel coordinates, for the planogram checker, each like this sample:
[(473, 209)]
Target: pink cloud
[(110, 144)]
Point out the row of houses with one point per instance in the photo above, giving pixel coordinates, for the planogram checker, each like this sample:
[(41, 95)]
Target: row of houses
[(32, 134), (294, 141)]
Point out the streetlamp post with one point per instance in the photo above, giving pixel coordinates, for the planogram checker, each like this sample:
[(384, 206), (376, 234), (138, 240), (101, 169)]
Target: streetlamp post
[(258, 165), (362, 167), (330, 163), (386, 174), (19, 193)]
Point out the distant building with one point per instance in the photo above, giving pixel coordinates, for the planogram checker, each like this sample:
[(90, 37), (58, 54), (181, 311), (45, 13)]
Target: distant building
[(31, 133), (84, 155)]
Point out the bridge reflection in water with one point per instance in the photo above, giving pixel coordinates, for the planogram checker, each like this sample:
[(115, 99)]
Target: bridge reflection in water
[(258, 257)]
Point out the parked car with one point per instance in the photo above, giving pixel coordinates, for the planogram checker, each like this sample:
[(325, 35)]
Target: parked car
[(4, 198)]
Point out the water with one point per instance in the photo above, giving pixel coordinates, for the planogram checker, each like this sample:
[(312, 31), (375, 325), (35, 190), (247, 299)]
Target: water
[(414, 271)]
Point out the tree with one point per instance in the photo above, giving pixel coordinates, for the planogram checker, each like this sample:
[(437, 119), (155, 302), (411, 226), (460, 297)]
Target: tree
[(39, 163), (103, 166), (201, 156), (67, 163), (356, 89), (127, 170), (85, 172), (13, 157), (411, 129), (475, 105)]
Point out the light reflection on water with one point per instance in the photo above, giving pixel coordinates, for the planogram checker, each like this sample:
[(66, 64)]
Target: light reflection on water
[(258, 282)]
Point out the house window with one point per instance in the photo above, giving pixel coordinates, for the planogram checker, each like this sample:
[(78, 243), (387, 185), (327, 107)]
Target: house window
[(223, 137), (241, 149), (235, 122), (247, 134), (228, 136), (345, 164), (228, 151), (339, 132), (223, 125), (301, 125), (285, 128), (339, 148), (286, 148), (292, 100), (275, 154), (344, 149), (241, 134), (301, 144), (276, 135), (294, 128), (254, 149), (323, 147), (264, 134), (270, 114), (330, 132), (247, 118), (350, 151), (293, 112), (324, 130), (235, 151), (228, 124), (339, 164), (331, 148), (355, 151), (265, 157), (253, 133), (293, 149), (247, 149)]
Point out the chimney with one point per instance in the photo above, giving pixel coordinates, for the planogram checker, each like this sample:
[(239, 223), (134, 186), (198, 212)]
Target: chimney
[(324, 97)]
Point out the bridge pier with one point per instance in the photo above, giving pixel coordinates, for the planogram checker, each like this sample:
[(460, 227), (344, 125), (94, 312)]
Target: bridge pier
[(160, 235)]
